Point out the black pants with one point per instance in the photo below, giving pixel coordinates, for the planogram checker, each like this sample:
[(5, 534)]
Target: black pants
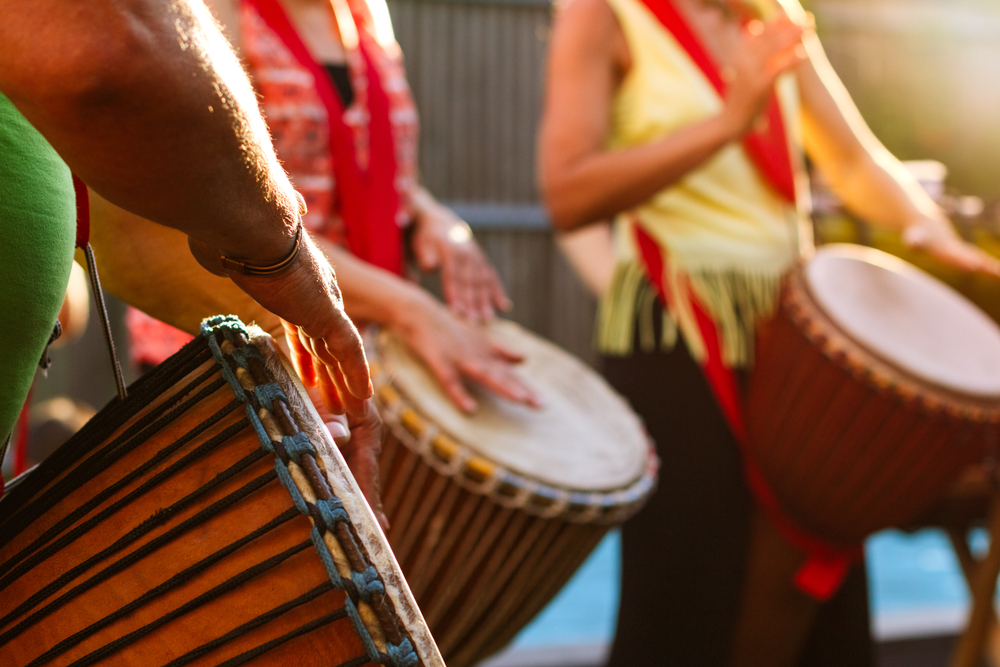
[(684, 554)]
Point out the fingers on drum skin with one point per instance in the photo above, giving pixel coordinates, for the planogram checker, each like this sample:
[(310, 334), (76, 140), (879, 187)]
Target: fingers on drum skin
[(451, 381), (362, 454), (506, 354), (497, 376), (329, 393), (339, 431), (355, 406)]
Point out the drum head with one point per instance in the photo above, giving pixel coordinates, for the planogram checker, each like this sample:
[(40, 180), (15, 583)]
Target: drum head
[(907, 318), (585, 437)]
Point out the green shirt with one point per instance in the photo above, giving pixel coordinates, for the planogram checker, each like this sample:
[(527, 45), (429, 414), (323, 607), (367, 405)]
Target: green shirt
[(37, 236)]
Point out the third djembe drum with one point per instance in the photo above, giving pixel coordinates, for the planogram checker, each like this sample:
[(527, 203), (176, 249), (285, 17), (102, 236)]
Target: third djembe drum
[(874, 387)]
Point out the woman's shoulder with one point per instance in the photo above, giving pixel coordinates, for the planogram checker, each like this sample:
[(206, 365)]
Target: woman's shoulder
[(592, 26)]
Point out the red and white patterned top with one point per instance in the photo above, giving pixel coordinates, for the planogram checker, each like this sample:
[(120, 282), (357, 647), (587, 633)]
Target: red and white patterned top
[(299, 119)]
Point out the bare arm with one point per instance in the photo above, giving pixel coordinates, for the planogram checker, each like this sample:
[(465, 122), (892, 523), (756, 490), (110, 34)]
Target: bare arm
[(147, 103), (871, 182), (453, 349), (582, 182), (148, 266)]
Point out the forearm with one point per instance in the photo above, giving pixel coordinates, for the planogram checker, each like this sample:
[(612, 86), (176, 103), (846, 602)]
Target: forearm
[(146, 102), (371, 294), (149, 266), (602, 184), (870, 181), (878, 189)]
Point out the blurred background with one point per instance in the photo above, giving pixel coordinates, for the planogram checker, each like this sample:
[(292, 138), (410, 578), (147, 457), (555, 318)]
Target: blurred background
[(924, 73)]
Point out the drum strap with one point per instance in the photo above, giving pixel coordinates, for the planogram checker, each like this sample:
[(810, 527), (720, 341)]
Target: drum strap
[(83, 242), (826, 564)]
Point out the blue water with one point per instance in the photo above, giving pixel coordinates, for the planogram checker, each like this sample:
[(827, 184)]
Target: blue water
[(907, 572)]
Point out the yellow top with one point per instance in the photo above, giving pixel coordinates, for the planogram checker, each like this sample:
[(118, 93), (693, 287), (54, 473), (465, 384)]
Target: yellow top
[(726, 233)]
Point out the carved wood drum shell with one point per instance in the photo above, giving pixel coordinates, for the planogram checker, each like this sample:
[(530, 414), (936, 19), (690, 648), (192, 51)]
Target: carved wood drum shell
[(206, 520), (874, 386)]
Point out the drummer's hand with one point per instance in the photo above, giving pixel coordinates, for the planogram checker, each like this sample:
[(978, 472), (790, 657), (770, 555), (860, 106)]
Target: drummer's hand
[(454, 350), (939, 239), (766, 51), (442, 240), (360, 441), (306, 295), (358, 434)]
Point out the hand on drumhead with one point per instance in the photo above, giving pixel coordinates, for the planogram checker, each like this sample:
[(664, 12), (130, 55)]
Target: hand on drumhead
[(940, 240), (442, 241), (456, 350)]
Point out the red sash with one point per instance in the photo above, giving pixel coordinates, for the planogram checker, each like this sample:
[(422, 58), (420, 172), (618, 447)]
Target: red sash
[(367, 197), (826, 564), (767, 147)]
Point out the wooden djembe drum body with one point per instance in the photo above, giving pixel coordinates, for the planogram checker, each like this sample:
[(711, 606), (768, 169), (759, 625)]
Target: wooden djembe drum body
[(491, 513), (208, 519), (874, 387)]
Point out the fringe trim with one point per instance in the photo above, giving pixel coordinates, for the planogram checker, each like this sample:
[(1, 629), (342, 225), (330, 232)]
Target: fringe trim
[(735, 300)]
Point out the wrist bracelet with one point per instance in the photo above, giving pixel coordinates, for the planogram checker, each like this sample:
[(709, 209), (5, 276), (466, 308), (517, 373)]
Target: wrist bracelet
[(248, 269)]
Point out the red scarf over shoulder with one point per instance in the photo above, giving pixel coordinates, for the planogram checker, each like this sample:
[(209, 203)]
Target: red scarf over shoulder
[(826, 564)]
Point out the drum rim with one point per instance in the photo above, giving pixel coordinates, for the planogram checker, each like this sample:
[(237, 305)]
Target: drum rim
[(806, 312), (509, 488), (227, 335)]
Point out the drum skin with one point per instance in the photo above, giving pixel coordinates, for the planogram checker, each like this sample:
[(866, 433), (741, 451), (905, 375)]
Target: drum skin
[(485, 548), (849, 443), (165, 536)]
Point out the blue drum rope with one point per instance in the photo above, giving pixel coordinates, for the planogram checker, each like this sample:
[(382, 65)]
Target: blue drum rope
[(327, 512)]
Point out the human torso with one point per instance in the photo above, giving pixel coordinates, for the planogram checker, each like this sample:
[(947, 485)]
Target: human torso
[(724, 228), (300, 118)]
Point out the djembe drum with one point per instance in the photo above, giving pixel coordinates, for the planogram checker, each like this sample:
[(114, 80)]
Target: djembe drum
[(875, 386), (208, 519), (492, 513)]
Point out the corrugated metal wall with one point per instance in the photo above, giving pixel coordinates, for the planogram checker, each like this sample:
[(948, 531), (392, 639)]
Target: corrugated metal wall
[(476, 69)]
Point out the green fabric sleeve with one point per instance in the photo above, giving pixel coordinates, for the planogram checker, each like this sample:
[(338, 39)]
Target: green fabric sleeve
[(37, 236)]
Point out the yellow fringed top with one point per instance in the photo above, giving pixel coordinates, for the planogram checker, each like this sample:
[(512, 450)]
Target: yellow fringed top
[(725, 233)]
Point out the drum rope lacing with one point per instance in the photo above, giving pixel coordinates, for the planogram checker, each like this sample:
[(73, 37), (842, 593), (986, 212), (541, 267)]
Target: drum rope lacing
[(299, 472)]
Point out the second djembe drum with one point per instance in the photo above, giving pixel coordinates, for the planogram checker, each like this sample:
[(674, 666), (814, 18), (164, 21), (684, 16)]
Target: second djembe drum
[(492, 512)]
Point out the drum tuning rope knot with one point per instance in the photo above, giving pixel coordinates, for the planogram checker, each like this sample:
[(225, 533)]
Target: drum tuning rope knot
[(298, 468)]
